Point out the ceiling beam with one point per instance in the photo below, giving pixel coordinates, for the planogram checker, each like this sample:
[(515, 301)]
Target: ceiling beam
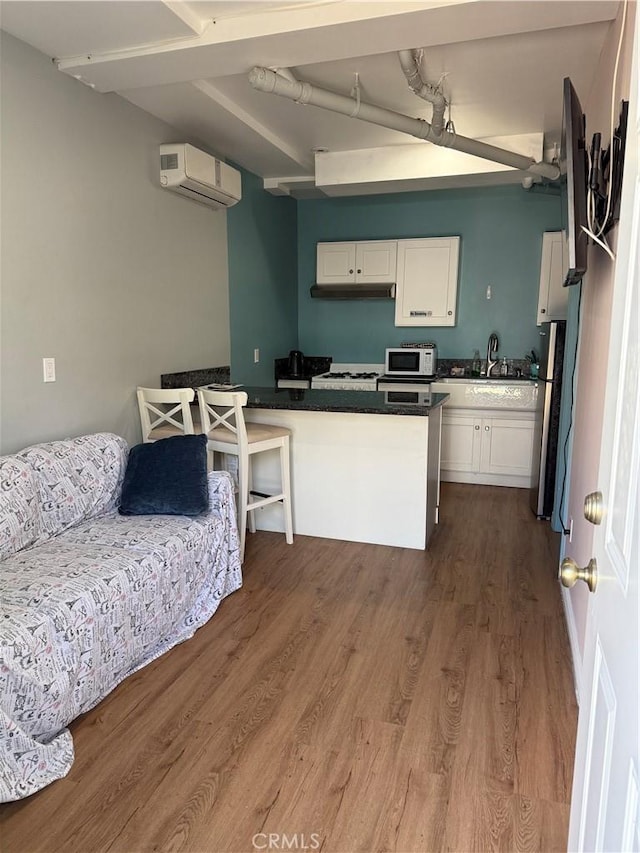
[(303, 158), (187, 15), (321, 33), (291, 186), (417, 162)]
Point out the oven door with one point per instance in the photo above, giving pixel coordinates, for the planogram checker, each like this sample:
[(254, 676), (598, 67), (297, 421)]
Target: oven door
[(408, 398), (407, 393)]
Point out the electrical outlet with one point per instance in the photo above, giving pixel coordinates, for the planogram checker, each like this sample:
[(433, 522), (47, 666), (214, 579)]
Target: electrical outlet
[(48, 369), (256, 355)]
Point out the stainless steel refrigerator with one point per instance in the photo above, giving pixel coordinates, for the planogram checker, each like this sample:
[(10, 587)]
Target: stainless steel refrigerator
[(552, 338)]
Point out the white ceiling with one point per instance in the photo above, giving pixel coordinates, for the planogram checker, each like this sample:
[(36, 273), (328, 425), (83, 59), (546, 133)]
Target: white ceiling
[(501, 64)]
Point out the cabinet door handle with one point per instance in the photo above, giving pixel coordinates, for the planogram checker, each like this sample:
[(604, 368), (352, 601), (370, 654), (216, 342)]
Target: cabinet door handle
[(359, 271), (543, 310), (487, 429), (350, 272), (476, 426), (449, 313)]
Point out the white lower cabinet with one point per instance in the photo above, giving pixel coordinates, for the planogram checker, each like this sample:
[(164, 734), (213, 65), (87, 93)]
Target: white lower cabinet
[(486, 447), (461, 434)]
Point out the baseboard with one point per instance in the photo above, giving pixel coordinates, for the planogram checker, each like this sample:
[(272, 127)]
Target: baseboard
[(572, 631), (519, 482)]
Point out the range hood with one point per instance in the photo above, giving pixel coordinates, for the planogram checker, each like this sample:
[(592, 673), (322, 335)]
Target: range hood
[(353, 291)]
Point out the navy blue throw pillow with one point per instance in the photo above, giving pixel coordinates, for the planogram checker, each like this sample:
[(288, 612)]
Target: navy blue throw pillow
[(167, 477)]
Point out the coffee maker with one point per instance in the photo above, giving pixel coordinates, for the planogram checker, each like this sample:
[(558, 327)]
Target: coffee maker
[(296, 364)]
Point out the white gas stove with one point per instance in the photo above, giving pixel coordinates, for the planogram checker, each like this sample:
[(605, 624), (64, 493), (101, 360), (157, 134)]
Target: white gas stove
[(350, 377)]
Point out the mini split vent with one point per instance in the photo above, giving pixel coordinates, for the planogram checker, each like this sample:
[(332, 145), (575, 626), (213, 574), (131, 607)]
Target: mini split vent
[(199, 176), (168, 161)]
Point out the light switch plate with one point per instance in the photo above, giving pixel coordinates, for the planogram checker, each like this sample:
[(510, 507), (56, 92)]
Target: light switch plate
[(49, 369)]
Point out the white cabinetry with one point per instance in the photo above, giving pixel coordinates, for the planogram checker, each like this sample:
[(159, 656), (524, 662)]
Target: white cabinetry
[(490, 431), (460, 442), (483, 447), (552, 296), (368, 262), (427, 282)]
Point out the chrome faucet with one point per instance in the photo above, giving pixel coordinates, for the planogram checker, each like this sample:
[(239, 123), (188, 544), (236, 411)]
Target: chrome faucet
[(492, 350)]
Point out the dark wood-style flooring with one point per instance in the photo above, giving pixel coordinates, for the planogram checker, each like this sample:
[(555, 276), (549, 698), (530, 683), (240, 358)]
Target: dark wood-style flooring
[(349, 698)]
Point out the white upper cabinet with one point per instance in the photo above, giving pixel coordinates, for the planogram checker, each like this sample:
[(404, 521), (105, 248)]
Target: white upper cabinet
[(552, 296), (427, 282), (367, 262)]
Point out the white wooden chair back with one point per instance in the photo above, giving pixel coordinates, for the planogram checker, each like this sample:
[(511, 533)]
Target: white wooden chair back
[(222, 410), (157, 412), (222, 421)]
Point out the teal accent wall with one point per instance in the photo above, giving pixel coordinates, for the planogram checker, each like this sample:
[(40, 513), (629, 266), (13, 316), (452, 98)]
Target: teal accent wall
[(501, 244), (263, 289)]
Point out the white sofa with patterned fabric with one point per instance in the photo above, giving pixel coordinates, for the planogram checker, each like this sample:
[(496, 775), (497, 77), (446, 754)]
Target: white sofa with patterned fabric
[(89, 596)]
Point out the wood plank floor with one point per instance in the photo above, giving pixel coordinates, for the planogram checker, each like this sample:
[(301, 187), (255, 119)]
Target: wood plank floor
[(349, 698)]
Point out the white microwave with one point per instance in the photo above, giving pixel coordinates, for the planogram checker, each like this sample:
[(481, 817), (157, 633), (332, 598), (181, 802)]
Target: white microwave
[(411, 361)]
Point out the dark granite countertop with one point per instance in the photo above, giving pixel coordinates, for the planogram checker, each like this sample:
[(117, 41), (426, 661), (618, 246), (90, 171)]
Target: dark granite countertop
[(321, 400)]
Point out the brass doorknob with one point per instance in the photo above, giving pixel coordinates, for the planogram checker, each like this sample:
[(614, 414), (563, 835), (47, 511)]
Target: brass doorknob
[(594, 507), (570, 572)]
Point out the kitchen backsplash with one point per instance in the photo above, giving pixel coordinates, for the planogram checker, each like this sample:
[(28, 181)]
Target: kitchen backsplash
[(196, 378), (447, 365), (315, 365)]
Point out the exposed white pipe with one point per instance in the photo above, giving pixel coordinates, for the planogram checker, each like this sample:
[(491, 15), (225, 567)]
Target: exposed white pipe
[(304, 93), (286, 73), (411, 68)]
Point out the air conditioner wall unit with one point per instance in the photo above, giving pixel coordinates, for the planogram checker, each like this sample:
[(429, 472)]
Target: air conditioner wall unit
[(199, 176)]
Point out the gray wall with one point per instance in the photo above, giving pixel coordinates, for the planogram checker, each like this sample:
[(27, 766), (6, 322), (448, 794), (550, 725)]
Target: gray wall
[(116, 278)]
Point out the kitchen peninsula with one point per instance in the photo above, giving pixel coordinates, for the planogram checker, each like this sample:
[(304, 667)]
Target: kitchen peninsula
[(365, 467)]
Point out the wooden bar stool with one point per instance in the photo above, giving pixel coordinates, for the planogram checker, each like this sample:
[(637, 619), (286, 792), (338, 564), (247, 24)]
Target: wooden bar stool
[(222, 421), (159, 418)]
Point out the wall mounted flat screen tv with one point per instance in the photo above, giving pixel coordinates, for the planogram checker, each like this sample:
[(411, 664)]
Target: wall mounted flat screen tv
[(574, 163)]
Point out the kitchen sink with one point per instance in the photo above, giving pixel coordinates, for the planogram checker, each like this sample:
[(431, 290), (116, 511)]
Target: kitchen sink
[(494, 393)]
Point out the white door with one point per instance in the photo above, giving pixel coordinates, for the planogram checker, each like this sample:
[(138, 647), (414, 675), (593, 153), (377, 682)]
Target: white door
[(376, 261), (335, 263), (507, 446), (604, 805), (552, 297), (460, 442), (426, 289)]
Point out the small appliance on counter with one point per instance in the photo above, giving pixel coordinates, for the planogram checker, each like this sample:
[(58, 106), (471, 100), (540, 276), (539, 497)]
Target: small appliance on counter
[(296, 364), (418, 360), (297, 369)]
